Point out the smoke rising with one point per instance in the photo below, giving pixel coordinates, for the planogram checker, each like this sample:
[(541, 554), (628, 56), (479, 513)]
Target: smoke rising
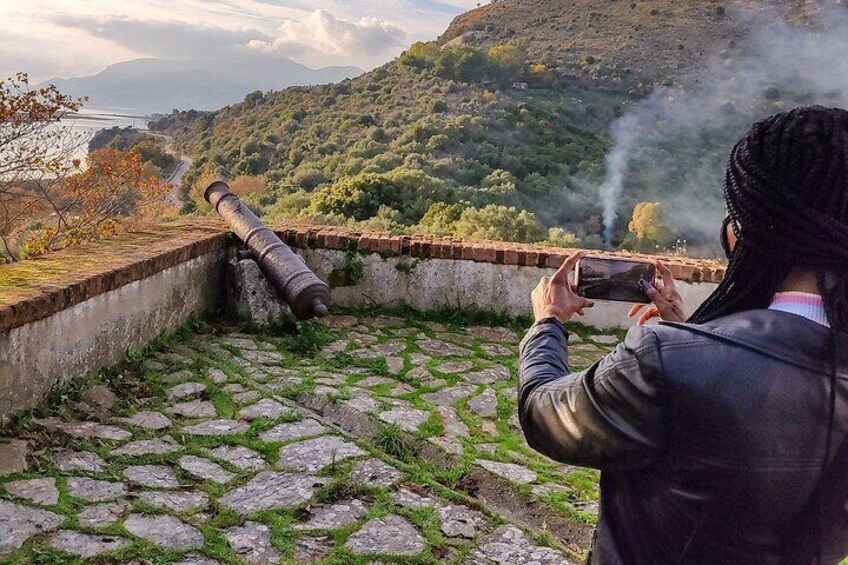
[(673, 146)]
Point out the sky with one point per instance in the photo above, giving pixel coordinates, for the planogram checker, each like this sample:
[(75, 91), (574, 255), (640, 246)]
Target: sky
[(72, 38)]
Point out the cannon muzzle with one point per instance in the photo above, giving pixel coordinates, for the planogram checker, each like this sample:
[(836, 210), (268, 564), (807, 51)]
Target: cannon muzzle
[(305, 293)]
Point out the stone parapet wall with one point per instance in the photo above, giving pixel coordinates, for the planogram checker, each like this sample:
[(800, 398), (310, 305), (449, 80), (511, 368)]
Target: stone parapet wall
[(84, 308), (497, 252)]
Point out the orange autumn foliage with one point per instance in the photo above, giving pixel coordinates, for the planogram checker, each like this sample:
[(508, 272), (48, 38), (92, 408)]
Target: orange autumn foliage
[(116, 193)]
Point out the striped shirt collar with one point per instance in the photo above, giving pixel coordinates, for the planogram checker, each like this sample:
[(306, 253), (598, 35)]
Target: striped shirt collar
[(804, 304)]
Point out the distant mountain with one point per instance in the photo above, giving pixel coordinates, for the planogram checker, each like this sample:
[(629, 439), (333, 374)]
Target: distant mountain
[(157, 85)]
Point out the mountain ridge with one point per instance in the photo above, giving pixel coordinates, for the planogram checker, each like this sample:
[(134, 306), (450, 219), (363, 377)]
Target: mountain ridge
[(159, 85)]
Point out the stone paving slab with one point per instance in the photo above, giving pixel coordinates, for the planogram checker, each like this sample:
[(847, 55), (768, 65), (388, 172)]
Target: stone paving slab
[(191, 465)]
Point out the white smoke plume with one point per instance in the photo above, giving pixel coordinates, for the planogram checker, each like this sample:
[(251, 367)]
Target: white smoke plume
[(674, 144)]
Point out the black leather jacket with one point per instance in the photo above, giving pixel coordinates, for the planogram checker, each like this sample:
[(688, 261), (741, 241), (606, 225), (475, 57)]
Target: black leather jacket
[(710, 439)]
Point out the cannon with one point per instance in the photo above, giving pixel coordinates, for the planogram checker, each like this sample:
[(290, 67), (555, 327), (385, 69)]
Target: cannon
[(297, 285)]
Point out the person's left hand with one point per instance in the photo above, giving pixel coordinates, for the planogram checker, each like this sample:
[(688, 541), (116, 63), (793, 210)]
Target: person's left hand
[(554, 297)]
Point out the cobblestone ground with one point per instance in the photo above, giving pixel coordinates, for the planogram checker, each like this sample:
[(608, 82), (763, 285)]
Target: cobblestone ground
[(202, 452)]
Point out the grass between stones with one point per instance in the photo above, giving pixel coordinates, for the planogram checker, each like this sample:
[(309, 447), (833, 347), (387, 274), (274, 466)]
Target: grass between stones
[(293, 364)]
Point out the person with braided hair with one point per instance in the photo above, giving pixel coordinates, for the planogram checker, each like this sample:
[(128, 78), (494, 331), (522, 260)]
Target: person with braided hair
[(721, 438)]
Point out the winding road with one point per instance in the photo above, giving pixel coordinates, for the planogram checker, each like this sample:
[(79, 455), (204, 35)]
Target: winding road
[(176, 176)]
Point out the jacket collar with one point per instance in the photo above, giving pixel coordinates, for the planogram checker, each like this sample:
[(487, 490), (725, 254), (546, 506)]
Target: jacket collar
[(787, 337)]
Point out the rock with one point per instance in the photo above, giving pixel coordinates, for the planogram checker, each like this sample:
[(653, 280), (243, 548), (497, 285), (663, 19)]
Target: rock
[(193, 409), (389, 348), (265, 408), (93, 490), (490, 448), (195, 559), (496, 350), (493, 333), (374, 381), (407, 419), (364, 404), (460, 522), (233, 388), (148, 421), (217, 376), (391, 535), (489, 427), (401, 389), (406, 497), (334, 321), (334, 516), (394, 365), (252, 542), (164, 531), (262, 357), (180, 501), (452, 424), (449, 444), (510, 471), (486, 404), (102, 515), (178, 377), (452, 367), (448, 396), (205, 469), (99, 399), (508, 545), (39, 491), (331, 349), (251, 297), (19, 523), (151, 476), (240, 342), (156, 446), (386, 322), (246, 397), (308, 549), (374, 473), (216, 428), (489, 376), (511, 393), (293, 430), (91, 430), (269, 490), (441, 348), (86, 545), (314, 454), (185, 389), (238, 456), (13, 454), (420, 373), (419, 359)]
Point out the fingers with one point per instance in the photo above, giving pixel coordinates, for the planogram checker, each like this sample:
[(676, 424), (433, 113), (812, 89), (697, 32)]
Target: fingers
[(665, 274), (647, 315), (655, 296), (635, 310), (561, 276)]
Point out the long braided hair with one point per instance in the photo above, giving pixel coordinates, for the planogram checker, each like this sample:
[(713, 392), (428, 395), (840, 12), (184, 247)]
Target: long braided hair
[(786, 191)]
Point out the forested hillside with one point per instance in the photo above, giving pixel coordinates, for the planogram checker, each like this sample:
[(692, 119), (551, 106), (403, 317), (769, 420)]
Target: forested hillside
[(497, 130)]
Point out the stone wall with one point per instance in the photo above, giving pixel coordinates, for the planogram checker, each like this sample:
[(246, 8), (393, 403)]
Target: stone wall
[(433, 284), (151, 285)]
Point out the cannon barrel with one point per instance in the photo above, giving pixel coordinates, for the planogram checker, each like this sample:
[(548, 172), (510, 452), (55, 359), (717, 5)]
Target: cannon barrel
[(298, 286)]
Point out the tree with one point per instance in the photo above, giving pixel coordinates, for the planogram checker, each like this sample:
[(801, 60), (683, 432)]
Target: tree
[(115, 193), (34, 151), (499, 223), (648, 227)]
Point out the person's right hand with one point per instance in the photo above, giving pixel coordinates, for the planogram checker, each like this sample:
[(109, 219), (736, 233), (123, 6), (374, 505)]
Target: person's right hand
[(666, 301)]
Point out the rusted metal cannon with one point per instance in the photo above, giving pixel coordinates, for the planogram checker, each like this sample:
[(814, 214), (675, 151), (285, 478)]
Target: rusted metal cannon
[(298, 286)]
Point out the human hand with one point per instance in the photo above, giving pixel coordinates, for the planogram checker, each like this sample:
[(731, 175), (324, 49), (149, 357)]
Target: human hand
[(554, 297), (666, 301)]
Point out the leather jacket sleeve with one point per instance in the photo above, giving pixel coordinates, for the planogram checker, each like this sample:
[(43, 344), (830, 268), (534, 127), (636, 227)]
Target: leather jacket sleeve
[(610, 416)]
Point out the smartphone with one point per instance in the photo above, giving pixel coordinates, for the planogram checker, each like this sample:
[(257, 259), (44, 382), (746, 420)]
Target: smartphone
[(621, 280)]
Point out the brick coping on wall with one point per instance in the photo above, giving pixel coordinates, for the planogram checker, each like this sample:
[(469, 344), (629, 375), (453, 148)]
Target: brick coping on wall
[(35, 289)]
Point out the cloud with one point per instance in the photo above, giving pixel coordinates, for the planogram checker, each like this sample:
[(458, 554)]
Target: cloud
[(163, 39), (322, 32)]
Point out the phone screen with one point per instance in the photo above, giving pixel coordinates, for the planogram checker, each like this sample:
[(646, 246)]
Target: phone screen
[(613, 279)]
